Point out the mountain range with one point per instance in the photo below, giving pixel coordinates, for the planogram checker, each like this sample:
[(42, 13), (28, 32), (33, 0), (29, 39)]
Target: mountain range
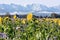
[(36, 9), (28, 8)]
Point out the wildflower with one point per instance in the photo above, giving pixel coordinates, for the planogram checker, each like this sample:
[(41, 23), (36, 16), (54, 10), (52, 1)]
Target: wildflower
[(3, 35), (17, 28), (29, 16)]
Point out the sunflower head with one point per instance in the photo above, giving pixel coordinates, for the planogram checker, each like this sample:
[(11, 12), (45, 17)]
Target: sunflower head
[(6, 18), (23, 21), (59, 22), (0, 20), (29, 16), (14, 16)]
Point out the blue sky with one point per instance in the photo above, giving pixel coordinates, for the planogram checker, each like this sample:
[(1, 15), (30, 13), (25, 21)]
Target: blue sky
[(48, 3)]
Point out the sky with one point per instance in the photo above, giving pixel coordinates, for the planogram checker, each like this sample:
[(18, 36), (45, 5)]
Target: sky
[(48, 3)]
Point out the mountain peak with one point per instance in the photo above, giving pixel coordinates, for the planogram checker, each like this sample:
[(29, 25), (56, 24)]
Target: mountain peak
[(29, 8)]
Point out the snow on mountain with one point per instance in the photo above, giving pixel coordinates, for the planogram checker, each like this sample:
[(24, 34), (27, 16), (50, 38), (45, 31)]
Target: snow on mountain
[(36, 7)]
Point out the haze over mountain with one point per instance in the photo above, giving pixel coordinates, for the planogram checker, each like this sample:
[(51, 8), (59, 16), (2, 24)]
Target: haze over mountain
[(28, 8), (36, 9)]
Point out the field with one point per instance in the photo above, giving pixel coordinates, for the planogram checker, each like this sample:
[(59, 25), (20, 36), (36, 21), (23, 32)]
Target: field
[(29, 28)]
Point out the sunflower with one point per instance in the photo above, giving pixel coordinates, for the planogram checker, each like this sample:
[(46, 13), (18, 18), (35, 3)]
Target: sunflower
[(36, 21), (59, 22), (54, 20), (47, 19), (23, 21), (6, 18), (14, 16), (0, 20), (29, 16)]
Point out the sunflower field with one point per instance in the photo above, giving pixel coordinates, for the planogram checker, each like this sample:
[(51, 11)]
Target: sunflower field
[(29, 28)]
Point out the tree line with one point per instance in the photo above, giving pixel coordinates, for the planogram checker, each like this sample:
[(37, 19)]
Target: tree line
[(53, 15)]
